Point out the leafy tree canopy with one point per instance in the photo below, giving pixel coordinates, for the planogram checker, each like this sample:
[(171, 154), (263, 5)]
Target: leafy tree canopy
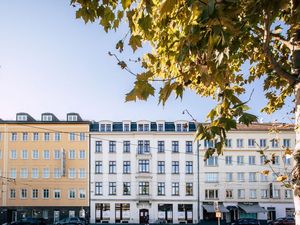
[(201, 45)]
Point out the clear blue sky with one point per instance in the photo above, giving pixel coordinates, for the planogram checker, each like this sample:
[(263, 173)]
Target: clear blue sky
[(51, 62)]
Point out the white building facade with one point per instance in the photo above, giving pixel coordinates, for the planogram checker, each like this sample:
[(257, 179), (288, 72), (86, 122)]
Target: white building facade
[(154, 171)]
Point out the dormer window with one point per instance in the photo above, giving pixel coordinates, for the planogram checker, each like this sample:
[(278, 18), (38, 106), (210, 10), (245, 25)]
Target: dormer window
[(146, 127), (160, 127), (105, 127), (140, 127), (22, 117), (143, 127), (181, 127), (47, 118), (126, 127), (72, 118)]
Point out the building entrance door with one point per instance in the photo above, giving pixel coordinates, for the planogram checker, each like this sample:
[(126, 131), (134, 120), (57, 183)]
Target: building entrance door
[(144, 216)]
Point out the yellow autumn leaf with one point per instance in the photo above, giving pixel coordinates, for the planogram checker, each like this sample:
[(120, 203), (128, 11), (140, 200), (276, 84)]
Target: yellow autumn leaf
[(265, 172), (288, 152), (281, 178)]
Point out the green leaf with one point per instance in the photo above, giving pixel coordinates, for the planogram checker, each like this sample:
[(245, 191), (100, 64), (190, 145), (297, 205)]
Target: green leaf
[(135, 42), (126, 3), (247, 118)]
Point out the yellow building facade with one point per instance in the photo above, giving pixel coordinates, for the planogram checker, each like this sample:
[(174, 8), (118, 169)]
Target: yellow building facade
[(44, 167)]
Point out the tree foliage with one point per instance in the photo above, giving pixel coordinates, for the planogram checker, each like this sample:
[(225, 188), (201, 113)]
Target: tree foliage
[(201, 45)]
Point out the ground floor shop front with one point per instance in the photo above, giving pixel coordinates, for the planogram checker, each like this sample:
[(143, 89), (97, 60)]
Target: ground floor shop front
[(143, 212), (50, 214)]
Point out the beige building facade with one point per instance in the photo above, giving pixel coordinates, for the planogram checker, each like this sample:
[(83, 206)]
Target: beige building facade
[(44, 167)]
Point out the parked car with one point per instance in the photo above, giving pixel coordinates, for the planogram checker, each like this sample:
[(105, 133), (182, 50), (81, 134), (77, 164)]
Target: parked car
[(30, 221), (71, 220), (246, 222), (283, 221)]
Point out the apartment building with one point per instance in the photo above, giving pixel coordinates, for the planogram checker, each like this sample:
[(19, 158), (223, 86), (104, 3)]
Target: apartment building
[(44, 167), (143, 172), (148, 172)]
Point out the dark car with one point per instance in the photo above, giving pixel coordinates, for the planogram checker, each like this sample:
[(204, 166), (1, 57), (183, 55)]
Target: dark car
[(71, 221), (30, 221), (246, 222), (283, 221)]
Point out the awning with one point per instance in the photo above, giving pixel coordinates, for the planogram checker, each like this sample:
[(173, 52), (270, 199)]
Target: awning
[(251, 208), (211, 208)]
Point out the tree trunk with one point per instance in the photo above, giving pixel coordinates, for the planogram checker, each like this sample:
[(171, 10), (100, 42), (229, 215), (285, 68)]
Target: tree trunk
[(296, 154)]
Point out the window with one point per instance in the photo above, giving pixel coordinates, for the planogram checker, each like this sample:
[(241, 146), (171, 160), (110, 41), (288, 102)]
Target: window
[(189, 189), (57, 173), (112, 167), (251, 143), (108, 127), (82, 193), (228, 143), (161, 188), (263, 159), (46, 173), (46, 193), (288, 194), (126, 146), (35, 173), (47, 118), (262, 143), (189, 146), (57, 194), (23, 193), (274, 143), (229, 193), (286, 143), (276, 161), (126, 167), (24, 154), (35, 193), (14, 136), (46, 136), (81, 154), (175, 188), (241, 193), (112, 146), (264, 193), (189, 167), (25, 136), (212, 161), (82, 173), (228, 160), (251, 160), (229, 177), (241, 177), (46, 154), (178, 127), (112, 188), (102, 127), (13, 154), (13, 173), (72, 173), (82, 136), (98, 146), (72, 136), (35, 136), (98, 188), (263, 178), (72, 154), (98, 167), (252, 177), (211, 177), (126, 188), (175, 146), (23, 173), (240, 160), (72, 193), (56, 154), (161, 146), (126, 127), (175, 167), (211, 194), (12, 194), (160, 127), (57, 136), (161, 167), (143, 188), (276, 193), (146, 127), (144, 166), (209, 144), (252, 193), (287, 160), (239, 143), (143, 146), (72, 118)]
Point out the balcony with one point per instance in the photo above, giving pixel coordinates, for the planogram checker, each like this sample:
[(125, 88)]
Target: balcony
[(144, 198), (142, 175), (143, 153)]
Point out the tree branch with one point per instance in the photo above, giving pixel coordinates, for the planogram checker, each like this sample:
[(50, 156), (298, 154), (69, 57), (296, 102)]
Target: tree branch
[(275, 65)]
